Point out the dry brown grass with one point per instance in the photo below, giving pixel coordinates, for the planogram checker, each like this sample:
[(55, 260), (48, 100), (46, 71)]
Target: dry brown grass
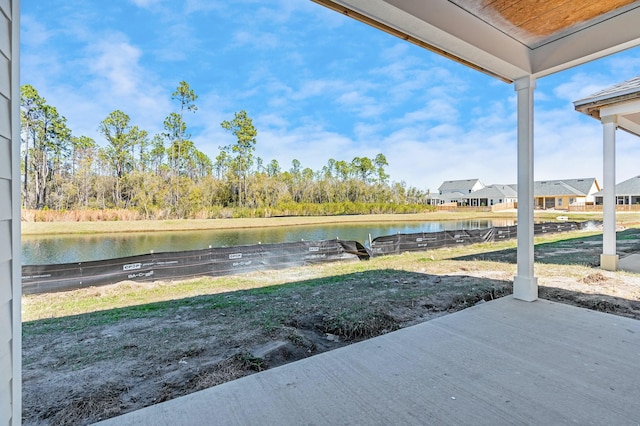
[(90, 215), (235, 367), (51, 224), (113, 221), (101, 403)]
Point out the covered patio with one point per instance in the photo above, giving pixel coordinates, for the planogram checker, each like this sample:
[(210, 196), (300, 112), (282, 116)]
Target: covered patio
[(503, 362)]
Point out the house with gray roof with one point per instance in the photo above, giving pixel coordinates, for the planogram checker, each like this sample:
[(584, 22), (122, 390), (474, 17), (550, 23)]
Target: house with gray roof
[(456, 191), (492, 195), (627, 192), (560, 194), (465, 186), (548, 194), (449, 197)]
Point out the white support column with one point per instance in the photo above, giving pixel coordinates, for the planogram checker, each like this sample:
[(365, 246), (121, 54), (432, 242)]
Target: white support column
[(609, 258), (525, 285)]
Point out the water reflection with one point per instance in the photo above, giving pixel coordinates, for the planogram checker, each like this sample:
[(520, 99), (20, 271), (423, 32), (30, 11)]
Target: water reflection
[(82, 248)]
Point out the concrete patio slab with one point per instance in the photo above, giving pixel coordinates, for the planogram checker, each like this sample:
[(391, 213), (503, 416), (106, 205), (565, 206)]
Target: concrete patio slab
[(501, 362), (630, 263)]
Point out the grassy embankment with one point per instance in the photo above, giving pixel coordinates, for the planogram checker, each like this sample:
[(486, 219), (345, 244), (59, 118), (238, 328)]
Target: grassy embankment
[(54, 228), (441, 261)]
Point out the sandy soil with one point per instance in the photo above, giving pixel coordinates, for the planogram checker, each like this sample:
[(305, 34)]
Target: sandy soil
[(84, 368)]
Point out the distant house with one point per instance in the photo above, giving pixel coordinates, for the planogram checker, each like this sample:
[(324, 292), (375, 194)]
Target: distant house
[(457, 191), (492, 195), (453, 197), (627, 192), (560, 194), (466, 186), (548, 194)]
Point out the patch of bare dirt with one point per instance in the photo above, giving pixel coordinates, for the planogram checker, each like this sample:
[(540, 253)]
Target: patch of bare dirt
[(81, 369), (596, 278)]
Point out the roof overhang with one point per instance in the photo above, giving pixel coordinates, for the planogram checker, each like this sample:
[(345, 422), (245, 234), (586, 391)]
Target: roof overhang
[(621, 101), (501, 38)]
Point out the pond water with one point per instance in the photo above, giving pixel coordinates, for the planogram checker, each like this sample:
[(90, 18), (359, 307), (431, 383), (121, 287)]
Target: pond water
[(43, 250)]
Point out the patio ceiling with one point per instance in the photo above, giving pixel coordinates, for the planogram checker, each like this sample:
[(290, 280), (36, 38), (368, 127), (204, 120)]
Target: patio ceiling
[(507, 39)]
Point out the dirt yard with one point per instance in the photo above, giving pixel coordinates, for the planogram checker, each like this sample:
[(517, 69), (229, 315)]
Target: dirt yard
[(83, 368)]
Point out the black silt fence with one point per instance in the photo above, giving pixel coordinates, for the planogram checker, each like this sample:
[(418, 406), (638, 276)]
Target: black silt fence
[(543, 228), (400, 243), (187, 264), (235, 260)]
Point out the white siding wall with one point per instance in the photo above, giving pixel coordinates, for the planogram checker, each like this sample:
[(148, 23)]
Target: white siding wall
[(590, 197), (10, 291), (477, 186)]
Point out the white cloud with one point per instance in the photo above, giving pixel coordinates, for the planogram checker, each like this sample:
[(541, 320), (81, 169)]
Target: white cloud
[(581, 85), (367, 131), (116, 61), (320, 87), (176, 41), (200, 6), (363, 106), (436, 110), (146, 3), (395, 53), (312, 146), (106, 75), (120, 82), (624, 66), (255, 39), (32, 32), (449, 154)]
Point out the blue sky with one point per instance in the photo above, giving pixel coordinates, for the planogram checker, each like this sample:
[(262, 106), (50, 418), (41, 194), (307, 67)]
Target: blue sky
[(317, 84)]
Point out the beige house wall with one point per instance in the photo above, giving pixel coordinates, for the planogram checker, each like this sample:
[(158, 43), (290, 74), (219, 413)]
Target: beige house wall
[(559, 202)]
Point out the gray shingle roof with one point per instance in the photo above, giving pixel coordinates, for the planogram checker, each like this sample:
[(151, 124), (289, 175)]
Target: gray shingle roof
[(495, 191), (543, 188), (550, 188), (620, 89), (583, 185), (464, 185), (455, 195), (553, 189), (627, 187)]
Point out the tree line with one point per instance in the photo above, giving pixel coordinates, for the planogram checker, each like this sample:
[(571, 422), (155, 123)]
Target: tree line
[(166, 176)]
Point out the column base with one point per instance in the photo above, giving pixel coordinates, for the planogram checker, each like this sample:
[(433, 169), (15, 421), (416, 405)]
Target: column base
[(525, 288), (609, 262)]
